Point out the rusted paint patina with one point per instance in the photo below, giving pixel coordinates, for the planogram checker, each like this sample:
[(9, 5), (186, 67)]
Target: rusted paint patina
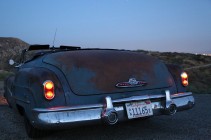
[(28, 85), (98, 71)]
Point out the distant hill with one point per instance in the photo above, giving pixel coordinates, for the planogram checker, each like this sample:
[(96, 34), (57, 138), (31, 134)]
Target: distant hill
[(10, 48)]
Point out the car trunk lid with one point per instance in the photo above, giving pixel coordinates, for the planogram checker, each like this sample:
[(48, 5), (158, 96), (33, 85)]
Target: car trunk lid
[(92, 72)]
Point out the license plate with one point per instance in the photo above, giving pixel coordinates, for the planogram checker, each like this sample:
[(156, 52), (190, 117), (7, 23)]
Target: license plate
[(139, 109)]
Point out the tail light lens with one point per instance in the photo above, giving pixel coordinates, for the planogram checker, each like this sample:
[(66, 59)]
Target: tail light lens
[(49, 90), (184, 77)]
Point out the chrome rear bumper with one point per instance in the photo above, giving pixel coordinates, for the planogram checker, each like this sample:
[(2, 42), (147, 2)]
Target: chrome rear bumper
[(110, 112)]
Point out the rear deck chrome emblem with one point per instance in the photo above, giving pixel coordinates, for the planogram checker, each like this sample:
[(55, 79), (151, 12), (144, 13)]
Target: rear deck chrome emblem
[(131, 83)]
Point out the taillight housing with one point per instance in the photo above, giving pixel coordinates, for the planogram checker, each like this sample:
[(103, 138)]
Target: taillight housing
[(184, 77), (49, 90)]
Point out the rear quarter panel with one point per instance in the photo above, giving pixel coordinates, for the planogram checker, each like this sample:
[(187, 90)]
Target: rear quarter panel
[(28, 88), (176, 71)]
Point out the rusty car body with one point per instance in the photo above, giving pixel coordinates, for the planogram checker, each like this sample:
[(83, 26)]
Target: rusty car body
[(69, 86)]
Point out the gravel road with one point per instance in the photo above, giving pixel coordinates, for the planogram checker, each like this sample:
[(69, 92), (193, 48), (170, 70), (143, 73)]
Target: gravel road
[(191, 124)]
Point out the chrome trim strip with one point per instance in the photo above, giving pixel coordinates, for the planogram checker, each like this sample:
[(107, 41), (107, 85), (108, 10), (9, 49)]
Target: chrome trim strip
[(133, 98), (137, 98), (183, 94), (62, 108)]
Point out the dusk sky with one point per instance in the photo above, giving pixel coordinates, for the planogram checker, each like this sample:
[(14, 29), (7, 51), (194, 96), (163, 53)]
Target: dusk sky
[(156, 25)]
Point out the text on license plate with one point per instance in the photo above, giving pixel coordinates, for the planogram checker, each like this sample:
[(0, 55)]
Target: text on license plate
[(139, 109)]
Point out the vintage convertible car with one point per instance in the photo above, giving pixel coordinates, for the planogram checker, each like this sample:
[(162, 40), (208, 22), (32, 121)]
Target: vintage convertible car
[(69, 86)]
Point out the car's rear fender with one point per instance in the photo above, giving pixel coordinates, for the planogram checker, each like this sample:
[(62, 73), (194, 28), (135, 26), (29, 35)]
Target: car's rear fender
[(176, 71), (28, 88)]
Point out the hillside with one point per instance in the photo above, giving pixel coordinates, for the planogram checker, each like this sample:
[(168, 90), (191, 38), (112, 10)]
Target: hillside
[(10, 48), (199, 78)]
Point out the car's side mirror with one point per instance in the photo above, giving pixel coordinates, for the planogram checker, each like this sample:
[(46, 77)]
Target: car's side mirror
[(11, 62)]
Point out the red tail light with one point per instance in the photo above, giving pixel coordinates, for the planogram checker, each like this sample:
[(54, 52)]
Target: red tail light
[(184, 77), (49, 90)]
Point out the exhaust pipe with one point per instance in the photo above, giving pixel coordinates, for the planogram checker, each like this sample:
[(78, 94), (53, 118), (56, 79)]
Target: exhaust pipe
[(110, 117), (170, 108), (109, 114)]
